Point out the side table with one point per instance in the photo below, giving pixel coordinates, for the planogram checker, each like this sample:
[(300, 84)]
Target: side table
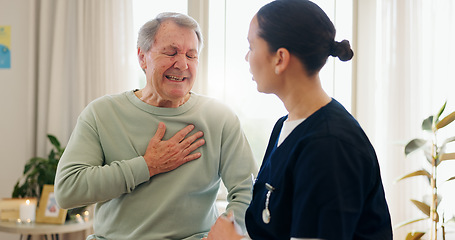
[(45, 230)]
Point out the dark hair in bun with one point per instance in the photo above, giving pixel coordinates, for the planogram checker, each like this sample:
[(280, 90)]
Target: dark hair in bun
[(342, 50), (304, 29)]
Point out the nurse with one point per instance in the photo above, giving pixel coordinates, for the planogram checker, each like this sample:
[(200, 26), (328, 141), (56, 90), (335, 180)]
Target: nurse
[(320, 177)]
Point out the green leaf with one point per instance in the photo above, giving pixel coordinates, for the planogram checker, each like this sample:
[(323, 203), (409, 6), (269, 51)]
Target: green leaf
[(414, 145), (427, 124), (27, 168), (53, 161), (440, 112), (32, 163), (405, 223), (414, 235), (51, 154), (61, 150), (422, 172), (16, 191), (422, 207), (54, 141)]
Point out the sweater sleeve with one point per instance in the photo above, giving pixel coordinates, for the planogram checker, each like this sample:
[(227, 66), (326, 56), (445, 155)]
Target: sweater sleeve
[(237, 169), (82, 176)]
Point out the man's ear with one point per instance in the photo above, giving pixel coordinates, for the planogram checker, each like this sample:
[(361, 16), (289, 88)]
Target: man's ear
[(141, 58), (282, 58)]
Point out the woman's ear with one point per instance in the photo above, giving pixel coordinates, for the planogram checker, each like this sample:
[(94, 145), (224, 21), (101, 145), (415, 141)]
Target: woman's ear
[(282, 58)]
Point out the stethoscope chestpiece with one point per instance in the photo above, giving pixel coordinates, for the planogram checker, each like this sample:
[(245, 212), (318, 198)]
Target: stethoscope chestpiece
[(266, 212)]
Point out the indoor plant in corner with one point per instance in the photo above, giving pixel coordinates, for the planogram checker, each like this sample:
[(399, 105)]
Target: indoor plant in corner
[(435, 153), (39, 171)]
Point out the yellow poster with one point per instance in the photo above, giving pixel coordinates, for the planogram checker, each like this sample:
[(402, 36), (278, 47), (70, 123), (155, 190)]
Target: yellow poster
[(5, 46)]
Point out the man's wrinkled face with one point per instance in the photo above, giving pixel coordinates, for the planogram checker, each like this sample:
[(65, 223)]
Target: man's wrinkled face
[(171, 63)]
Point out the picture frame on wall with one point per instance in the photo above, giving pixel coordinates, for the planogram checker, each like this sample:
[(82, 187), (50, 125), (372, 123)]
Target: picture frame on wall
[(48, 210)]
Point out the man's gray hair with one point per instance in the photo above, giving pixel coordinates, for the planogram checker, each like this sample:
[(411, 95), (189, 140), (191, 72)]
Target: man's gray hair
[(148, 31)]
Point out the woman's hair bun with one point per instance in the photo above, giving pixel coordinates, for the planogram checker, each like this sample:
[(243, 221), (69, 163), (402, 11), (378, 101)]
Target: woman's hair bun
[(342, 50)]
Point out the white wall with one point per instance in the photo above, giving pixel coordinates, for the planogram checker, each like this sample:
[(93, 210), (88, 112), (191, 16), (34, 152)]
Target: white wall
[(16, 98)]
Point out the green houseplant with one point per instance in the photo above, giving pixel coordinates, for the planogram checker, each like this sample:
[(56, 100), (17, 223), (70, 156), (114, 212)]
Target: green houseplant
[(39, 171), (435, 153)]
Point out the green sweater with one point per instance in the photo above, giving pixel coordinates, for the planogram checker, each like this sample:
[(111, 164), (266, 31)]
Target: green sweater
[(103, 163)]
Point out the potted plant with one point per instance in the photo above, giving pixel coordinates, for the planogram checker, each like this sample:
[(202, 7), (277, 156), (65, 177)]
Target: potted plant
[(39, 171), (435, 153)]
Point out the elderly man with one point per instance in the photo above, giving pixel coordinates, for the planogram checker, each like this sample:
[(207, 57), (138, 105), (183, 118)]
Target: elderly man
[(152, 159)]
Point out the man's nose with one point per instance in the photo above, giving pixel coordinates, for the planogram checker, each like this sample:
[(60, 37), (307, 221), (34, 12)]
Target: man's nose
[(181, 62)]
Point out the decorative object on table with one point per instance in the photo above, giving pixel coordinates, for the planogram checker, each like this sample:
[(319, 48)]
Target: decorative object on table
[(39, 171), (435, 153), (10, 208), (48, 210), (27, 211), (81, 216)]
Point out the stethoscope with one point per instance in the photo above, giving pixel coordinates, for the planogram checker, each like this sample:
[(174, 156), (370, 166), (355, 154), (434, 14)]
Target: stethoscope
[(266, 212)]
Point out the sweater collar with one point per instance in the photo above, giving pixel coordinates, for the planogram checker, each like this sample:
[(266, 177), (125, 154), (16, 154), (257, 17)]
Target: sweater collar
[(160, 110)]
